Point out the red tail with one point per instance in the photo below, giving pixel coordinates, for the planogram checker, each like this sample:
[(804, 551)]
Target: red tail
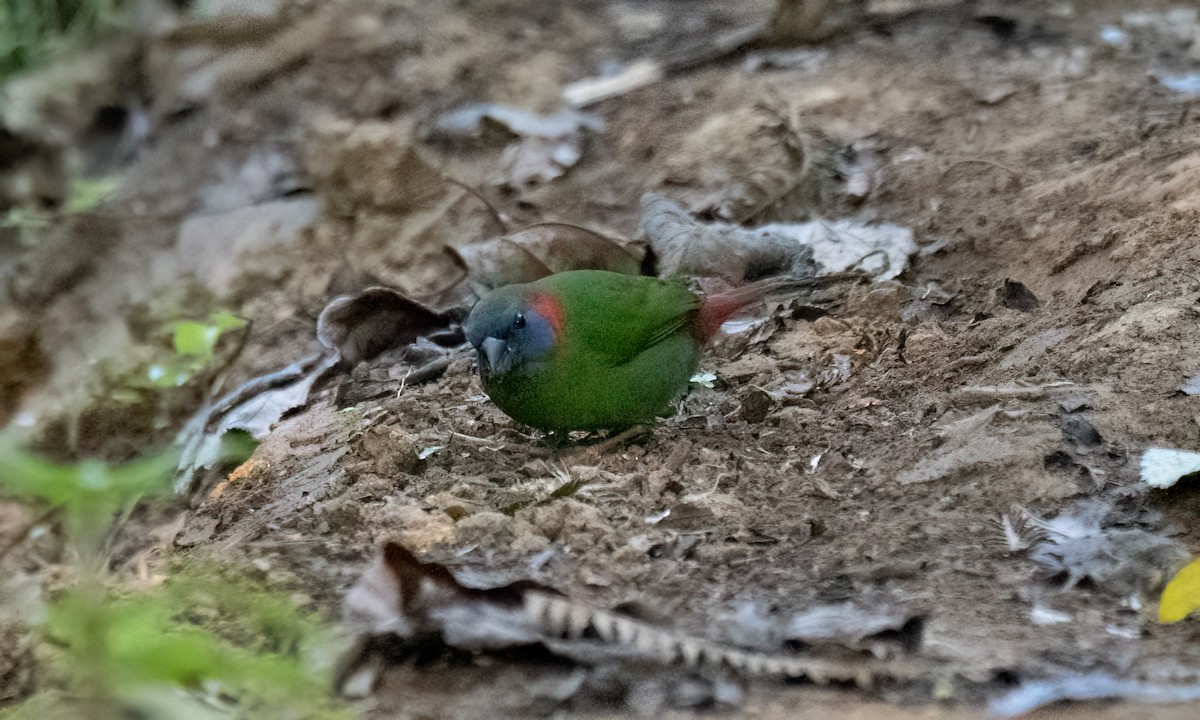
[(719, 307)]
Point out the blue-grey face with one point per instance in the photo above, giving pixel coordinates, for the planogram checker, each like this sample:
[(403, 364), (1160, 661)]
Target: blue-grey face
[(508, 334)]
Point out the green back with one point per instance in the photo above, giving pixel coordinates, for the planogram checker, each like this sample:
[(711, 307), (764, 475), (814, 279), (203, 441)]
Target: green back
[(617, 317)]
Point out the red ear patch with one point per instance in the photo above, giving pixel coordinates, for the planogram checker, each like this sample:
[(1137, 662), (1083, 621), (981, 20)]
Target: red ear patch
[(550, 308)]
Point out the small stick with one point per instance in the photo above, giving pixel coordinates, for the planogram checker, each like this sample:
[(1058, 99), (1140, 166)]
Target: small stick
[(497, 216)]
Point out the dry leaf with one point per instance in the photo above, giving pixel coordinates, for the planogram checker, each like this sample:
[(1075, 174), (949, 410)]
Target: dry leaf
[(541, 250), (685, 246), (1163, 467), (254, 407), (361, 326), (1093, 686), (546, 146)]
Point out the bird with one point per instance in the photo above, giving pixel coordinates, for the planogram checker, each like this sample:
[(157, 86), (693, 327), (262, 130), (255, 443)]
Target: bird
[(593, 349)]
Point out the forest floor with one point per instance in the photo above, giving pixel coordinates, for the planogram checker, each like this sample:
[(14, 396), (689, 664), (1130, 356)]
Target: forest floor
[(859, 451)]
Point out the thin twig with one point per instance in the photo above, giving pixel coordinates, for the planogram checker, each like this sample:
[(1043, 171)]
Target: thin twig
[(988, 393), (498, 445), (497, 216), (970, 360), (573, 226), (616, 440), (1016, 176)]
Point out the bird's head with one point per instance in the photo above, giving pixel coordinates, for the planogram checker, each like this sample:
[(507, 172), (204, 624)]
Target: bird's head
[(513, 329)]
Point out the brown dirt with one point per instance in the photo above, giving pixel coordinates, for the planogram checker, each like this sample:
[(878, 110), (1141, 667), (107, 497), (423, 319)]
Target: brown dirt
[(1024, 152)]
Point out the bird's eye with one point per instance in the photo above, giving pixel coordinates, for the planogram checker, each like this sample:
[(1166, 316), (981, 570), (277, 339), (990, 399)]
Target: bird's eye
[(519, 321)]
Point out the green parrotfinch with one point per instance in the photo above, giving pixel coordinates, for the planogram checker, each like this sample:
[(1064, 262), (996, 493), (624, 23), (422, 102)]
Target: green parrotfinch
[(590, 349)]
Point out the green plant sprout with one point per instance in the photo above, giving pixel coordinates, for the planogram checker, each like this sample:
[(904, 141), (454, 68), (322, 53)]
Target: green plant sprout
[(87, 193), (208, 642), (198, 340), (251, 657), (194, 344), (87, 494)]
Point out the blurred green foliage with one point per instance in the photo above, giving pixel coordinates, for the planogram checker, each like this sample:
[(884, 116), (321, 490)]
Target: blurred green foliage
[(87, 193), (88, 493), (254, 656), (33, 32), (250, 657), (197, 339), (193, 344), (207, 642)]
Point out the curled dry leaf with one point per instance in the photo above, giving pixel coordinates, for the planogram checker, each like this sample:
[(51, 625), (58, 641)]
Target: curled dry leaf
[(541, 250), (254, 407), (363, 325), (355, 327), (403, 599), (686, 246)]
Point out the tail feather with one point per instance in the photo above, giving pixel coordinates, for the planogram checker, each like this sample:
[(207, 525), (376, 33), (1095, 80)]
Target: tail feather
[(719, 307)]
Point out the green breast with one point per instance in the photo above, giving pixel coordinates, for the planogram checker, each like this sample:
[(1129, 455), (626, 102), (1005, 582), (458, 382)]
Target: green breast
[(571, 392)]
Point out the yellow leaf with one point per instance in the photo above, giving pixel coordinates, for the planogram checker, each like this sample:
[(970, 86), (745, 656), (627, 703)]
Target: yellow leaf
[(1181, 597)]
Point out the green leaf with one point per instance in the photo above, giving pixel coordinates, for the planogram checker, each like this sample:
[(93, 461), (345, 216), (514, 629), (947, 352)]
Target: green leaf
[(170, 373), (224, 321), (1181, 597), (237, 446), (87, 194), (26, 476), (196, 339)]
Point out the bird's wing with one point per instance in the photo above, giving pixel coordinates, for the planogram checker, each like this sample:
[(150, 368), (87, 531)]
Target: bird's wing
[(620, 317)]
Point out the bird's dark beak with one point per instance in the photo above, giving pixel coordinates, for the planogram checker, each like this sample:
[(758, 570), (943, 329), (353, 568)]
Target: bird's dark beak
[(493, 349)]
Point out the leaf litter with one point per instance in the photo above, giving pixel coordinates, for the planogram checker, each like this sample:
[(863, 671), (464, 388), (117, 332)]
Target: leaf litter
[(685, 246), (873, 384), (544, 147), (406, 599)]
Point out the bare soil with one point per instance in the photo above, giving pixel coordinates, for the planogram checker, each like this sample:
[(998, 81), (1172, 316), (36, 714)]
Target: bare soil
[(1034, 347)]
